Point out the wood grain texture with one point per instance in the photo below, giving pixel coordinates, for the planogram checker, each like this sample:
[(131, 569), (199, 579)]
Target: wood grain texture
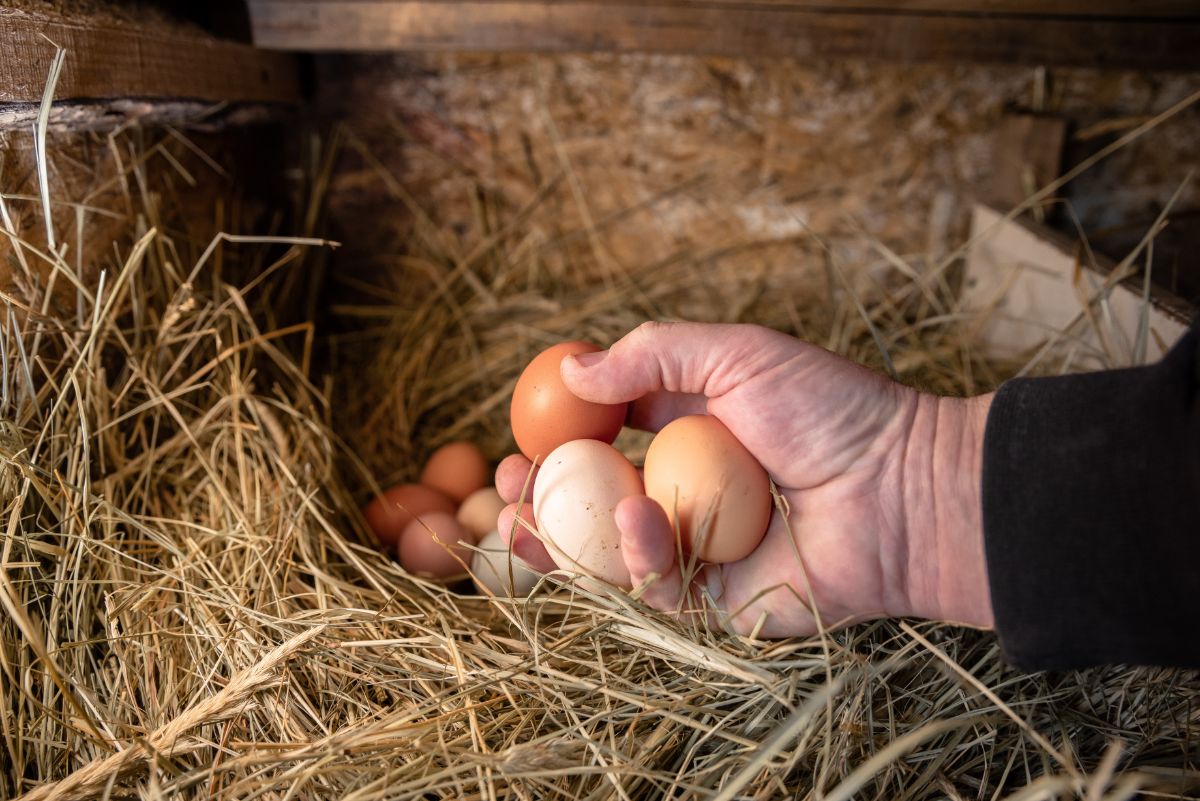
[(1027, 155), (724, 28), (1125, 9), (115, 61), (1131, 9)]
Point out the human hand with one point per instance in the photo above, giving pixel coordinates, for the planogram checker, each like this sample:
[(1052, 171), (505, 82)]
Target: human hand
[(880, 482)]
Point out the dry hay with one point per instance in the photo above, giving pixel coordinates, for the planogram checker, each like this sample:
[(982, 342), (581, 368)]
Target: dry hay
[(190, 608)]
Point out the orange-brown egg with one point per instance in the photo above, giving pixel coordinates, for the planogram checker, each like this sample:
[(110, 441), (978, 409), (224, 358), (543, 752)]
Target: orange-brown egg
[(479, 511), (429, 544), (545, 414), (389, 513), (696, 468), (456, 470)]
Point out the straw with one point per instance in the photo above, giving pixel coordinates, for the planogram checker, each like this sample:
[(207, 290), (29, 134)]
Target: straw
[(193, 607)]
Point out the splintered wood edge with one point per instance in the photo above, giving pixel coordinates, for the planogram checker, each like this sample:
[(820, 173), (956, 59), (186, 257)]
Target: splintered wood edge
[(106, 61), (1035, 266), (1161, 299)]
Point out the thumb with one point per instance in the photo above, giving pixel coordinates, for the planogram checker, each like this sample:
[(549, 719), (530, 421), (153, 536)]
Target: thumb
[(695, 358)]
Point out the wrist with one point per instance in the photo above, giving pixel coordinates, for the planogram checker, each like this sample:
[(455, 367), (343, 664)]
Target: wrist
[(943, 465)]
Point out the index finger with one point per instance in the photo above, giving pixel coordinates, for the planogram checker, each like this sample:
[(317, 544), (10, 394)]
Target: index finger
[(513, 477), (655, 409), (701, 358)]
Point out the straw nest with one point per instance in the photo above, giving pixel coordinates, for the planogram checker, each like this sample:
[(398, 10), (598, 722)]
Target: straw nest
[(192, 605)]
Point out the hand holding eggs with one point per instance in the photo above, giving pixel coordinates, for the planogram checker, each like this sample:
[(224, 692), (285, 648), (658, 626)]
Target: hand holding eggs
[(713, 491)]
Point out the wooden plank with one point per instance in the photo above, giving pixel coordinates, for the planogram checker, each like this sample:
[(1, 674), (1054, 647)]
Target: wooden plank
[(1128, 9), (1028, 281), (1027, 155), (112, 61), (746, 28), (1101, 9)]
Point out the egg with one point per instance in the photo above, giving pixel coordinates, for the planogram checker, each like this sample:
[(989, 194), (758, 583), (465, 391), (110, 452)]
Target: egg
[(545, 414), (389, 513), (490, 564), (479, 511), (429, 544), (574, 499), (456, 470), (697, 469)]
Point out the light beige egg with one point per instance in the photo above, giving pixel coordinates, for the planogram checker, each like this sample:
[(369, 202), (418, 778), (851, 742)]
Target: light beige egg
[(479, 511), (574, 500), (490, 564)]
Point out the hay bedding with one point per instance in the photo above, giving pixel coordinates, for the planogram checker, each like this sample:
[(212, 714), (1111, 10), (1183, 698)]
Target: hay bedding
[(192, 608)]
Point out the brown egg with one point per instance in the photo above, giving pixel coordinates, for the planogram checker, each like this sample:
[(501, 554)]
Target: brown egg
[(479, 511), (697, 468), (429, 544), (456, 470), (389, 513), (545, 414)]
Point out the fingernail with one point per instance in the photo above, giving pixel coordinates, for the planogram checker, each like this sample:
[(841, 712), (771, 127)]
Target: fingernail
[(590, 359)]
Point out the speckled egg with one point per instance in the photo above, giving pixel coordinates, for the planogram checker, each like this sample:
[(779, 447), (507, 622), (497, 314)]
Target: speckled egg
[(574, 500)]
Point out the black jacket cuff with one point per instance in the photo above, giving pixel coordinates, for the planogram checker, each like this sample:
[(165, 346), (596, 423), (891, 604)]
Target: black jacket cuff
[(1091, 510)]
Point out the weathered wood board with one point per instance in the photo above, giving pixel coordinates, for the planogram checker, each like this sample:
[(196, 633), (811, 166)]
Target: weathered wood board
[(1028, 155), (1033, 287), (1157, 35), (108, 60)]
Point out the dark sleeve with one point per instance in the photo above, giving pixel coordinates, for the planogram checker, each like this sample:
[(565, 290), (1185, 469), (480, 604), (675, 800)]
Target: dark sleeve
[(1091, 510)]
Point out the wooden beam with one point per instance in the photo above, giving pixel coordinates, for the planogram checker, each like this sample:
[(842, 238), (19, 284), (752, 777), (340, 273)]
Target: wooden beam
[(108, 60), (937, 30), (1126, 9)]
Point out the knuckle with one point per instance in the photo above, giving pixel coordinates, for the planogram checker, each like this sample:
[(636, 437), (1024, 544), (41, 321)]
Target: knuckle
[(761, 335), (651, 329)]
